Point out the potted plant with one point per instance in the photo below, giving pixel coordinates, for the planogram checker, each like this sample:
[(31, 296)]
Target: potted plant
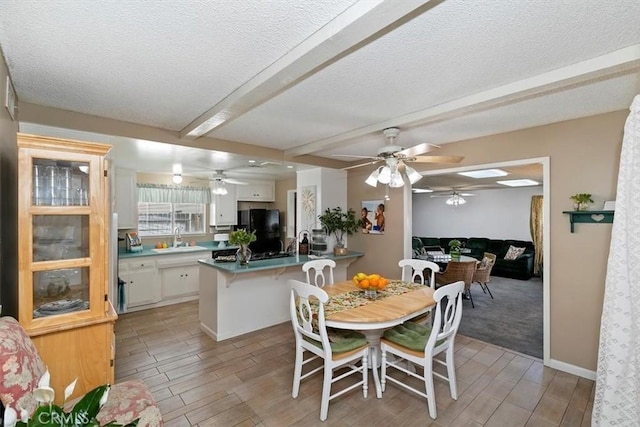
[(581, 201), (242, 238), (454, 249), (338, 222)]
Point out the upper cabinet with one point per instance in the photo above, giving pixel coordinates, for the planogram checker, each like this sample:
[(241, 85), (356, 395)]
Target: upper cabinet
[(257, 191), (224, 208), (126, 199)]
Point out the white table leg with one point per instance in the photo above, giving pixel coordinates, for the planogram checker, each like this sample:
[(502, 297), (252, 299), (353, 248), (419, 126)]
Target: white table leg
[(373, 336)]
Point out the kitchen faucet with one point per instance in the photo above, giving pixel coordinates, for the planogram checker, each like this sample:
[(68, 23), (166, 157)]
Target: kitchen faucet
[(177, 238)]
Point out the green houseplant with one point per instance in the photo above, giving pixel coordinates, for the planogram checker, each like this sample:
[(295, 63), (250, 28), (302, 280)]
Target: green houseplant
[(581, 201), (338, 222), (454, 249), (242, 238)]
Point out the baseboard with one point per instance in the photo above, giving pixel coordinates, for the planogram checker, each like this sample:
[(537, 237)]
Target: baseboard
[(208, 331), (572, 369)]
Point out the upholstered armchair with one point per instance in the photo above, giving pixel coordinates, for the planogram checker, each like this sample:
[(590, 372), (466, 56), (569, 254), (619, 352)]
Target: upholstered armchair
[(21, 368)]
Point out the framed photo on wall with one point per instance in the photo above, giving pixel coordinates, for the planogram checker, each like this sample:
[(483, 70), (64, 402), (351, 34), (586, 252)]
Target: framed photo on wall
[(373, 217)]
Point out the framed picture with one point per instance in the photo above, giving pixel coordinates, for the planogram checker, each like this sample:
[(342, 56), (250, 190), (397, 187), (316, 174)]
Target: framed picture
[(10, 99), (372, 216)]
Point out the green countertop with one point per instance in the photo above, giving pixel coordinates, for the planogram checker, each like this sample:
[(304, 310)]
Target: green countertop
[(208, 248), (269, 264)]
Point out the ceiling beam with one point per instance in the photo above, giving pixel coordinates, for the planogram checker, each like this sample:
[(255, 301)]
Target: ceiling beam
[(610, 65), (363, 22), (55, 117)]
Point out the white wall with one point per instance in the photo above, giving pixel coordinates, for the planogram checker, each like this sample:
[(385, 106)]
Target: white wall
[(495, 214)]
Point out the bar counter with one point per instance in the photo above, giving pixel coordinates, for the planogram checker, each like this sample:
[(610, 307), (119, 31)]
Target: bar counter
[(236, 299)]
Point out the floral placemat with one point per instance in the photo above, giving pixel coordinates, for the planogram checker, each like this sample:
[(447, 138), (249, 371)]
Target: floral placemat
[(356, 298)]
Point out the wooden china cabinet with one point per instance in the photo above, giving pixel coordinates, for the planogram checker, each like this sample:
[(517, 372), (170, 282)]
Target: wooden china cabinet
[(63, 259)]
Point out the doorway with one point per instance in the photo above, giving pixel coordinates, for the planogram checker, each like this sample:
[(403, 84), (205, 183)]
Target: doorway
[(545, 273)]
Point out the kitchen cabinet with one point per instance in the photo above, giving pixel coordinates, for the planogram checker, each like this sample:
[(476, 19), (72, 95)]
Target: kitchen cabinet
[(142, 284), (126, 198), (257, 191), (179, 275), (224, 209), (63, 258)]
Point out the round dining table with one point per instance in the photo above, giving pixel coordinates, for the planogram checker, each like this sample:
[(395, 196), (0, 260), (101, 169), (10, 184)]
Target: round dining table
[(377, 315)]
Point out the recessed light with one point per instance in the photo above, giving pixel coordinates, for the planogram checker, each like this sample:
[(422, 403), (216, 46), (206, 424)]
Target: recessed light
[(484, 173), (422, 190), (252, 161), (519, 182), (289, 166)]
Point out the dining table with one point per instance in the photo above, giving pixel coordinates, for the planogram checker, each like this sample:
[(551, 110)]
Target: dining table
[(349, 308)]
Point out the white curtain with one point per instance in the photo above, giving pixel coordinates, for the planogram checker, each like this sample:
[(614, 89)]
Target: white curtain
[(154, 193), (617, 397)]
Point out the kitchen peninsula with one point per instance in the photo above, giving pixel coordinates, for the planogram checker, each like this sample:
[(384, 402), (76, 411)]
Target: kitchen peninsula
[(236, 299)]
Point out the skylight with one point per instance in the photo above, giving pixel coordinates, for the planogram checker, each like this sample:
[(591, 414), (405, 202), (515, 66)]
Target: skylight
[(484, 173), (519, 182), (422, 190)]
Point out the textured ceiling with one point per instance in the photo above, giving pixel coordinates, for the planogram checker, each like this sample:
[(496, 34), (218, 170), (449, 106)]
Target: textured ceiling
[(320, 77)]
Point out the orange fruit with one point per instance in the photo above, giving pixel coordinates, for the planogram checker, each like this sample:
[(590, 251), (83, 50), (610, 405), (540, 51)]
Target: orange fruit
[(364, 284), (374, 283)]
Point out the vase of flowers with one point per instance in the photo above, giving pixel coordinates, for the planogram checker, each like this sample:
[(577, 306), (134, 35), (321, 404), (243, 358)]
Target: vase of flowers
[(454, 249), (242, 238)]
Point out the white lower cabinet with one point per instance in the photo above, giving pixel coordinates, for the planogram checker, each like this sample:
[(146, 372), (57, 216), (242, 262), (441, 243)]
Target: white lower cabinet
[(179, 281), (141, 281), (161, 280)]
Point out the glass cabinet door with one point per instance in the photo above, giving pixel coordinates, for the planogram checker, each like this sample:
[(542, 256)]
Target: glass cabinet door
[(62, 252), (60, 183)]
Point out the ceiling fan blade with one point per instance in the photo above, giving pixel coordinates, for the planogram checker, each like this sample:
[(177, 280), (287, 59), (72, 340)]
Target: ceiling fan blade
[(234, 181), (416, 150), (436, 159), (361, 164), (355, 156)]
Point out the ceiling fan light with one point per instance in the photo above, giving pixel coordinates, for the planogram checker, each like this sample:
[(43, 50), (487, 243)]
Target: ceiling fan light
[(372, 180), (455, 200), (396, 180), (385, 175), (177, 178), (413, 175), (219, 188)]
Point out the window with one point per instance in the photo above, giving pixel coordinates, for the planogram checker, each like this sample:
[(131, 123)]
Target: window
[(160, 219)]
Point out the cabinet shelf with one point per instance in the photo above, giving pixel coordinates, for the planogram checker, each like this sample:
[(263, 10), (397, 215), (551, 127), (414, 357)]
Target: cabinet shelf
[(593, 217)]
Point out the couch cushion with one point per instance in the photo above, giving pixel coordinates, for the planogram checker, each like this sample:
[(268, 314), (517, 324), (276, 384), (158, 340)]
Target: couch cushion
[(128, 401), (20, 366), (513, 253)]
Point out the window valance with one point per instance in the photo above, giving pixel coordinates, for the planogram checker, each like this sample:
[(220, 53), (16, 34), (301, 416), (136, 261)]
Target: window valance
[(155, 193)]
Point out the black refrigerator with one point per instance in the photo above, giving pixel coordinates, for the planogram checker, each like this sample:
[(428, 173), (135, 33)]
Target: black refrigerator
[(266, 224)]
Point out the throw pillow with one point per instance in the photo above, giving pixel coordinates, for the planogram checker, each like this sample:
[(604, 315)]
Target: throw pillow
[(486, 262), (513, 253)]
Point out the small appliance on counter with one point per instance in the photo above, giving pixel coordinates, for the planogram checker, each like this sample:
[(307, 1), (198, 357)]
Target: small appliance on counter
[(134, 244), (221, 239)]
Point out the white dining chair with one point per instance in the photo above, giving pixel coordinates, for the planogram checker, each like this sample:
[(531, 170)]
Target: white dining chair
[(345, 348), (317, 268), (413, 269), (416, 344)]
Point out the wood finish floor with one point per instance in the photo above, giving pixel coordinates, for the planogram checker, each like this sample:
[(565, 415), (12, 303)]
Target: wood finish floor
[(246, 381)]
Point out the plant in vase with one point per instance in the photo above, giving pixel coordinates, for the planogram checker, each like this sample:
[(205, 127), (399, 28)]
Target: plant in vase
[(242, 238), (581, 201), (339, 223), (454, 249)]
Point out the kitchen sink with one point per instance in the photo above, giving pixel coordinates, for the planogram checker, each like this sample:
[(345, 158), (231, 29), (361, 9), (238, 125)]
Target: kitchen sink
[(180, 249)]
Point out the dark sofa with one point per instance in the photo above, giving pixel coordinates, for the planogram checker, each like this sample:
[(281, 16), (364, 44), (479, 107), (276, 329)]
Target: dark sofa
[(520, 268)]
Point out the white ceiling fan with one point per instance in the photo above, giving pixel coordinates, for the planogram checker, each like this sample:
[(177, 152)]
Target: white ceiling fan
[(219, 181), (454, 198), (395, 156), (393, 152)]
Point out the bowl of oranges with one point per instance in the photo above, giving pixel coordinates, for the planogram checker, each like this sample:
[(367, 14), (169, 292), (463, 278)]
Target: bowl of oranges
[(370, 283)]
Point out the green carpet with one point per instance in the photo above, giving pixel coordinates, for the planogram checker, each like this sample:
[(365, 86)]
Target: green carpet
[(513, 319)]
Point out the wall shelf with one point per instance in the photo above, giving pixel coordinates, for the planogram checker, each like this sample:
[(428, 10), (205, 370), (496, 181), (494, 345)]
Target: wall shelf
[(594, 217)]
